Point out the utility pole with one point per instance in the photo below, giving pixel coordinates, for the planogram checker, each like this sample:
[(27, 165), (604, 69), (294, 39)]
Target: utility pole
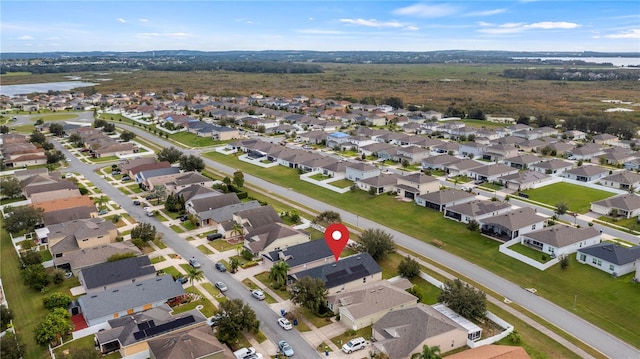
[(575, 299)]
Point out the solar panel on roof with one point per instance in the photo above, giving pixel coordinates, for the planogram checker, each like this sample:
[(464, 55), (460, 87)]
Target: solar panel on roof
[(163, 328), (337, 274)]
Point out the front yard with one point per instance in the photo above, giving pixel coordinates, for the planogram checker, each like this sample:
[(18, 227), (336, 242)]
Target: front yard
[(578, 198)]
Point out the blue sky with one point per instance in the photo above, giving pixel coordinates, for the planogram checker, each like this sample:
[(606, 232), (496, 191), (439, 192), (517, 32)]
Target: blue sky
[(527, 25)]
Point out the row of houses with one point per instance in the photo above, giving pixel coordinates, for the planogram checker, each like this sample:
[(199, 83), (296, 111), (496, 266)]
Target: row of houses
[(18, 152)]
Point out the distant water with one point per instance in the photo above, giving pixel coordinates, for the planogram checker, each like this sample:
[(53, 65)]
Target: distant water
[(616, 61), (25, 89)]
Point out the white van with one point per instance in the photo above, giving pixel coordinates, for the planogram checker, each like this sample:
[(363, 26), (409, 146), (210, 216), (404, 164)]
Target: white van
[(247, 353), (353, 345)]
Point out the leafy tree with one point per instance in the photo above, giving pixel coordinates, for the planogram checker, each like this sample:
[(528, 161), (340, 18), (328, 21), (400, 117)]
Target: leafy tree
[(408, 267), (159, 192), (6, 315), (235, 317), (427, 353), (473, 225), (464, 299), (57, 276), (37, 137), (561, 208), (234, 263), (54, 156), (39, 122), (309, 293), (278, 272), (10, 187), (191, 163), (405, 163), (194, 275), (564, 262), (238, 179), (24, 218), (75, 138), (54, 326), (98, 122), (328, 217), (101, 201), (35, 276), (56, 129), (377, 242), (11, 347), (56, 300), (109, 128), (144, 231), (174, 203), (395, 102), (127, 136), (30, 257), (4, 129)]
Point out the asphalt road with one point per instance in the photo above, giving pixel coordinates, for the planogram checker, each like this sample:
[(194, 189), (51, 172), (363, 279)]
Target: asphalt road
[(569, 322), (268, 318)]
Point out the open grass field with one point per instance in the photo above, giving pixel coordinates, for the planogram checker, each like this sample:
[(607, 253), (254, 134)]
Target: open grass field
[(607, 302), (436, 86), (578, 198)]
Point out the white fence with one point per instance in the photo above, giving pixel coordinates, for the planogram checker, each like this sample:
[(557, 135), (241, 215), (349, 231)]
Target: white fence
[(325, 183), (508, 328), (504, 249)]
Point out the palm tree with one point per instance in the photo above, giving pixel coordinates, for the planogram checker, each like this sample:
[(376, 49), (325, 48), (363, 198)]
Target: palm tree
[(278, 272), (159, 192), (237, 229), (234, 263), (194, 275), (101, 201), (427, 353)]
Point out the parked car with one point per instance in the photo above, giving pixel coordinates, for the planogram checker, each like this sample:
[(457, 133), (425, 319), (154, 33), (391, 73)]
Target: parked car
[(221, 267), (354, 345), (221, 286), (103, 211), (136, 202), (182, 280), (68, 159), (285, 348), (126, 178), (194, 263), (258, 294), (214, 236), (213, 321), (285, 323), (183, 218)]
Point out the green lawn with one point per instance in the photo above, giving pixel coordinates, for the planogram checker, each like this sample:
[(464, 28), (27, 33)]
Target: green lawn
[(54, 117), (319, 177), (343, 183), (85, 342), (264, 279), (578, 198), (529, 252), (628, 223), (348, 335), (158, 259), (103, 159), (173, 271), (190, 140), (177, 228), (612, 302), (204, 249), (208, 309)]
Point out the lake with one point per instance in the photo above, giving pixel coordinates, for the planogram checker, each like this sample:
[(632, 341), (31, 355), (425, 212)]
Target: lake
[(24, 89)]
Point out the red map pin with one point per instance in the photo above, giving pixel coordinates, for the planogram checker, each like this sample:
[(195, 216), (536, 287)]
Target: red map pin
[(336, 236)]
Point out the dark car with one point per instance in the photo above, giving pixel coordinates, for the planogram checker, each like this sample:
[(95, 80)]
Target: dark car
[(221, 267), (183, 218), (214, 236), (136, 202), (182, 280)]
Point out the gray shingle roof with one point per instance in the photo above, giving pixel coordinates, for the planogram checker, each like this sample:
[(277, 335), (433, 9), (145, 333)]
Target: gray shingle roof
[(301, 253), (226, 213), (344, 271), (118, 271), (587, 170), (625, 177), (524, 177), (516, 219), (494, 169), (477, 208), (213, 202), (626, 201), (560, 235), (134, 295), (446, 196), (612, 253)]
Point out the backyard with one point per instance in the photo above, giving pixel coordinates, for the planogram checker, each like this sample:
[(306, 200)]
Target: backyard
[(578, 198)]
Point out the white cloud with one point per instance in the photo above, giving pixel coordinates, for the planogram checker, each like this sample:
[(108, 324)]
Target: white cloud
[(513, 27), (177, 35), (121, 20), (147, 35), (311, 19), (412, 28), (143, 20), (630, 34), (372, 23), (486, 12), (426, 10), (25, 38), (319, 32)]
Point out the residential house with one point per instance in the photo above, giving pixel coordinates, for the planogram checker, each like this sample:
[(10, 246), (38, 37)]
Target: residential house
[(111, 275), (374, 148), (315, 137), (439, 200), (498, 151), (347, 273), (491, 173), (193, 190), (271, 237), (339, 139), (463, 167), (476, 210), (129, 299), (23, 174), (198, 342), (188, 179), (576, 135), (334, 169), (624, 180), (561, 148), (616, 156), (413, 154), (586, 152), (300, 257), (113, 148), (633, 164), (87, 257), (513, 224), (400, 333), (472, 150), (415, 184), (361, 307), (52, 191), (610, 257), (209, 206), (560, 239), (131, 334), (586, 173), (451, 148), (70, 236), (534, 145), (356, 171), (67, 203), (54, 216), (439, 162), (492, 351), (18, 152), (522, 161), (383, 183), (605, 139), (126, 165), (624, 205), (149, 179), (523, 180), (553, 166), (224, 133)]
